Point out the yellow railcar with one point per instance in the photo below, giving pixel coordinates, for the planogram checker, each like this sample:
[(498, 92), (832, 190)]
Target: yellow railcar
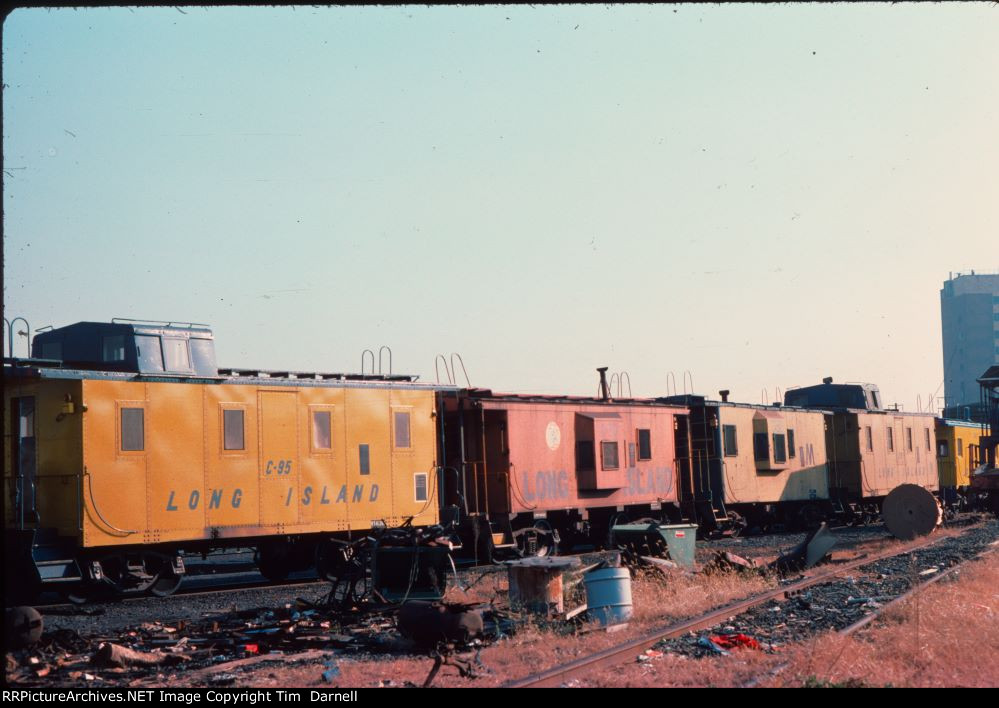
[(136, 447), (958, 454)]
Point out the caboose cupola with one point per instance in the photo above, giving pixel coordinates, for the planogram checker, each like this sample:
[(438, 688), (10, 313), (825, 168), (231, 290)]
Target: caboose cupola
[(136, 346)]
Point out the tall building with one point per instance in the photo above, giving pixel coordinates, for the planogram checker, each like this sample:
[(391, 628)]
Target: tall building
[(969, 310)]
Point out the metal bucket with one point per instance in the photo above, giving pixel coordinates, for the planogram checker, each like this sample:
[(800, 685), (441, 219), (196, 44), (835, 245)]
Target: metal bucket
[(608, 595)]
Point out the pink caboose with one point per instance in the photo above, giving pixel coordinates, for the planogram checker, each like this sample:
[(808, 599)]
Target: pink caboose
[(532, 471)]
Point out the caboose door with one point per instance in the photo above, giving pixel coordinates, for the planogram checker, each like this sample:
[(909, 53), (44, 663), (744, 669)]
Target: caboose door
[(22, 439), (278, 457)]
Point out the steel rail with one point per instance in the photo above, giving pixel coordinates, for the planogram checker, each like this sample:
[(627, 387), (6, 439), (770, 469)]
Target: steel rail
[(625, 652), (182, 592)]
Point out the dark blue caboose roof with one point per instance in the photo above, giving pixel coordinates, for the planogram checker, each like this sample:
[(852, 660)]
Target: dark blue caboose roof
[(176, 349), (832, 396)]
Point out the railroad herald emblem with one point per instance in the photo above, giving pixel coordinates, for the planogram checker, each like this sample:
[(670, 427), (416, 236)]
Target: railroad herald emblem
[(553, 436)]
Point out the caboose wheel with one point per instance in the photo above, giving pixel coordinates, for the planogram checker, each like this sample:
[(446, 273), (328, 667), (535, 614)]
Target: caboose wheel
[(547, 538), (78, 595), (273, 561), (810, 516), (165, 585)]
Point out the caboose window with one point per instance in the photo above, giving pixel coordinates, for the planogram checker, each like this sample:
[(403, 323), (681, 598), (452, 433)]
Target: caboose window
[(149, 353), (790, 443), (114, 347), (401, 429), (233, 434), (731, 442), (608, 455), (365, 459), (51, 350), (891, 439), (421, 487), (870, 438), (761, 447), (644, 444), (175, 354), (928, 447), (960, 447), (943, 449), (908, 438), (322, 438), (132, 429), (584, 455), (780, 451)]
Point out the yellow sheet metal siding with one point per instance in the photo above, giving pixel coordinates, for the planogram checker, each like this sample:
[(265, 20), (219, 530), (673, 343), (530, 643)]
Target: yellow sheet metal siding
[(185, 484), (889, 465), (802, 477), (175, 496), (115, 503), (419, 458), (322, 471), (59, 458), (954, 469), (278, 458), (232, 478)]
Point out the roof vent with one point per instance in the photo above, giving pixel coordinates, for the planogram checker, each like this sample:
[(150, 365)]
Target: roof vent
[(827, 380), (724, 395)]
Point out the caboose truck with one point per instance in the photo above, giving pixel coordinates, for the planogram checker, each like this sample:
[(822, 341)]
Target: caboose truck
[(872, 450), (125, 446)]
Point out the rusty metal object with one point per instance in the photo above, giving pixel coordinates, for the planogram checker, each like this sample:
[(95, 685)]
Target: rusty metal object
[(910, 511), (725, 561), (110, 654), (22, 627), (435, 622), (536, 584), (809, 552)]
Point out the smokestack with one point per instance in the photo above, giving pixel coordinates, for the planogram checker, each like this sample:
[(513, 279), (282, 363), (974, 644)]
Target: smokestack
[(827, 380), (604, 393), (724, 395)]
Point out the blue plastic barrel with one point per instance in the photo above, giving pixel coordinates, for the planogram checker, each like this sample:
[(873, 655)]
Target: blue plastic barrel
[(608, 595)]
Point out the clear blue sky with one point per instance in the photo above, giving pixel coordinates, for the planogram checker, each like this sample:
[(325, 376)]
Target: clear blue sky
[(762, 196)]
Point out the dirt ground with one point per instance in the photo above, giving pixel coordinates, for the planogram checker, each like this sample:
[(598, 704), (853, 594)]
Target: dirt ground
[(946, 635)]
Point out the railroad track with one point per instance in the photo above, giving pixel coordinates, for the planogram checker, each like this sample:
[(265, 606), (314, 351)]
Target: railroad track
[(626, 652), (185, 593), (877, 613)]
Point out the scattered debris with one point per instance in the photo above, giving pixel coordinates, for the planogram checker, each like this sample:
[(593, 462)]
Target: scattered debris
[(332, 672), (735, 641), (466, 663), (114, 655), (649, 655), (809, 552), (705, 641), (724, 561), (22, 627), (433, 622)]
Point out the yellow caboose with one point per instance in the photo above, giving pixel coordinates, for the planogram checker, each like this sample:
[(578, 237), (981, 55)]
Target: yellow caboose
[(125, 445), (957, 455)]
